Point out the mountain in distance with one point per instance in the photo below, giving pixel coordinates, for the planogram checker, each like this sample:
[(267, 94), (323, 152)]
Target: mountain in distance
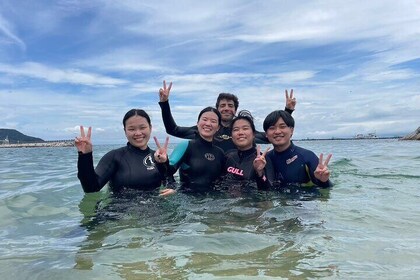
[(16, 137)]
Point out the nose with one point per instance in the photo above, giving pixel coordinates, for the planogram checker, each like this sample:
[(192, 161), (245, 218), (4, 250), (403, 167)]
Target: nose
[(277, 130), (207, 122)]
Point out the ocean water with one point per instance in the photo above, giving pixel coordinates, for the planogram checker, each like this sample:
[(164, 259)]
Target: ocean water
[(366, 227)]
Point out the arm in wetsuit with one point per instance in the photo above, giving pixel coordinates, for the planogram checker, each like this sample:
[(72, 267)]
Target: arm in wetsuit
[(172, 128), (125, 167), (89, 180)]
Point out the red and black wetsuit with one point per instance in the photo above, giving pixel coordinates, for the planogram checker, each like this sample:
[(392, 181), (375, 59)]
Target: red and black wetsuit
[(240, 167)]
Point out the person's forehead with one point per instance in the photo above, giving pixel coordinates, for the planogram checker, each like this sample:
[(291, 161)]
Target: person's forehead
[(241, 122), (226, 101), (136, 119), (209, 114), (280, 121)]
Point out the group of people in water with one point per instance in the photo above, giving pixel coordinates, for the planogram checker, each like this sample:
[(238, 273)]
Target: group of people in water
[(222, 146)]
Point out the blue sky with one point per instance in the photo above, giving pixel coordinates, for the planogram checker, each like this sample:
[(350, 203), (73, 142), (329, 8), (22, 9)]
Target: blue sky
[(354, 65)]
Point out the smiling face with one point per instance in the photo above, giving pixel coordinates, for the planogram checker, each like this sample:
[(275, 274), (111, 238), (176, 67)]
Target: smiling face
[(137, 130), (242, 134), (208, 125), (280, 135), (227, 110)]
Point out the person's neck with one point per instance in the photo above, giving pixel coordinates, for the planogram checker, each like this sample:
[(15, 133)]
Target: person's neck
[(282, 148), (143, 148), (208, 139), (243, 149), (226, 123)]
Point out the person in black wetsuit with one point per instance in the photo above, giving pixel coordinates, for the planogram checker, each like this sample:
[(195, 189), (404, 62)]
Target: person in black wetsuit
[(226, 104), (132, 166), (200, 161), (243, 163), (292, 165)]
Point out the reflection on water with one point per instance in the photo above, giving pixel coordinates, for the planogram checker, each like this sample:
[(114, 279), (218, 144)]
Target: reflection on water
[(220, 234)]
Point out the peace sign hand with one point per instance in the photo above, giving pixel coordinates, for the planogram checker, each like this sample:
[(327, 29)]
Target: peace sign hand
[(322, 172), (164, 92), (161, 154), (290, 100), (260, 161), (83, 143)]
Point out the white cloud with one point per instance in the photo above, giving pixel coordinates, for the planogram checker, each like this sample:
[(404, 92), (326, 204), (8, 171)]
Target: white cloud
[(54, 75), (354, 65), (8, 32)]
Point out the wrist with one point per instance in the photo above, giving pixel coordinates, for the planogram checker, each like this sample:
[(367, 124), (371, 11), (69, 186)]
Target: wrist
[(260, 173)]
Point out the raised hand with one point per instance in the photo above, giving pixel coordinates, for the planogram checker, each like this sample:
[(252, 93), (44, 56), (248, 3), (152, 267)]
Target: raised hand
[(83, 143), (322, 172), (161, 154), (164, 92), (260, 161), (290, 100)]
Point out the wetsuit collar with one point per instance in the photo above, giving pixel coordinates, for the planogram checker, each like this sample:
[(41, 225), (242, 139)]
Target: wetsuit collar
[(291, 147), (204, 141), (246, 153), (131, 147)]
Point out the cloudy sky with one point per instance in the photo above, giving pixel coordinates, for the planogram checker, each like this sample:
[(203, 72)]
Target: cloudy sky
[(354, 65)]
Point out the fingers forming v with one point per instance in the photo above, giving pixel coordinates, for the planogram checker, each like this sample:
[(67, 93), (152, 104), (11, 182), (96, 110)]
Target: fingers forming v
[(156, 141), (328, 159), (89, 132), (82, 131), (166, 142), (321, 159), (266, 151)]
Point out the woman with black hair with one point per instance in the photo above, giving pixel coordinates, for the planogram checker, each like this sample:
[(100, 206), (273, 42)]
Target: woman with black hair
[(244, 163), (132, 166), (200, 161)]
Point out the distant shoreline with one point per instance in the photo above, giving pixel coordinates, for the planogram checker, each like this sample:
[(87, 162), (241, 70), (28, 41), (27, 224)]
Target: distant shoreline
[(69, 143), (354, 138)]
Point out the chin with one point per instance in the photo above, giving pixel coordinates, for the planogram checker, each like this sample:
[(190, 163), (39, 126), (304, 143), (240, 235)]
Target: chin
[(139, 145)]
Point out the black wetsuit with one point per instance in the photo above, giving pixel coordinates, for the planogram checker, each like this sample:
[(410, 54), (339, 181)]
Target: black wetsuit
[(222, 138), (240, 167), (294, 166), (126, 167), (200, 164)]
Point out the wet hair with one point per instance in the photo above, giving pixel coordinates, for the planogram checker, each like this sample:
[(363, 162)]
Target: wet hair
[(228, 96), (274, 116), (211, 109), (136, 112), (244, 115)]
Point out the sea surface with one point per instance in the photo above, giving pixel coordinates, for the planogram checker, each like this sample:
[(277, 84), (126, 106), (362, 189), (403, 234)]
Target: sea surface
[(366, 227)]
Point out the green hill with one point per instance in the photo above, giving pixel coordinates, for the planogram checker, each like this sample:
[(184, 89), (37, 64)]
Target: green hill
[(15, 137)]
